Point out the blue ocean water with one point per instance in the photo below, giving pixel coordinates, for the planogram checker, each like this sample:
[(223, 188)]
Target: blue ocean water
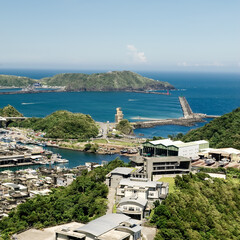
[(210, 93)]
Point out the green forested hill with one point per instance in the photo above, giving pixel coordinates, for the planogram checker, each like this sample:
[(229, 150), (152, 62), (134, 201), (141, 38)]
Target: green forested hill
[(221, 132), (10, 111), (124, 80), (62, 124), (15, 81), (111, 81), (199, 209)]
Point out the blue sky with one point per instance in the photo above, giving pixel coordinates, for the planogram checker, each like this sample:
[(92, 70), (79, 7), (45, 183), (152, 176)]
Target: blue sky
[(174, 35)]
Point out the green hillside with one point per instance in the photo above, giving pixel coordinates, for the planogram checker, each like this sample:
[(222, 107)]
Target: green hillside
[(111, 81), (15, 81), (199, 209), (221, 132), (62, 124), (10, 111)]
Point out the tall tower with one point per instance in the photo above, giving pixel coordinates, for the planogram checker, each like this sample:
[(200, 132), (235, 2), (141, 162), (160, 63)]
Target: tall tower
[(119, 115)]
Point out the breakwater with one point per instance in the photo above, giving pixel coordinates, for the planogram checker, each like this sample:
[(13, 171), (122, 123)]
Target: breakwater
[(189, 118)]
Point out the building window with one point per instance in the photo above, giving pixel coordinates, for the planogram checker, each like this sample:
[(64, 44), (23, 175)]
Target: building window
[(131, 208), (137, 209)]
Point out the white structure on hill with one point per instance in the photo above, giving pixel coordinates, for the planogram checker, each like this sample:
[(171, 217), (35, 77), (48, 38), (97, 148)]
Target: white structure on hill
[(108, 227), (167, 147), (136, 196)]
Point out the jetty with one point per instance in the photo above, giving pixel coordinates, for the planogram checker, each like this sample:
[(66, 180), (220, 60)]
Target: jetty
[(189, 118)]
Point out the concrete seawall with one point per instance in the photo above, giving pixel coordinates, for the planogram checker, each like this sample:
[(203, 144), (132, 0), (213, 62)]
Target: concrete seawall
[(189, 118), (173, 121)]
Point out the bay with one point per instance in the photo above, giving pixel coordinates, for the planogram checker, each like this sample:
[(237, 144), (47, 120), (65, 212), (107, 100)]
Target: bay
[(210, 93)]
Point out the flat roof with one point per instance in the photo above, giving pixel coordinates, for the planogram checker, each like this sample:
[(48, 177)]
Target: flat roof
[(114, 235), (122, 170), (103, 224), (10, 185), (167, 159), (132, 183)]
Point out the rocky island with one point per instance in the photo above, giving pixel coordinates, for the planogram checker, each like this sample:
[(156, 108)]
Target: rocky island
[(110, 81)]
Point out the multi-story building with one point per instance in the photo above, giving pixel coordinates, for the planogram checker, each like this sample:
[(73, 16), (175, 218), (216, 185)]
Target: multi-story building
[(167, 147), (135, 196)]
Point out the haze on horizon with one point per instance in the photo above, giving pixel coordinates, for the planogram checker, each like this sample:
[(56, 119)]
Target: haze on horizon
[(175, 35)]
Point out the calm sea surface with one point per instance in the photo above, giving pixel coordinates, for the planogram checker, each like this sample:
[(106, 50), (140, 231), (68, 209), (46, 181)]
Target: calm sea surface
[(210, 93)]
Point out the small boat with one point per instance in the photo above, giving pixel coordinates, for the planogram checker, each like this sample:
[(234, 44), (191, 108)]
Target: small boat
[(61, 160)]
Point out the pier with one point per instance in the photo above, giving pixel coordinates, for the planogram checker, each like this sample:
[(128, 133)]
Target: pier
[(189, 118), (187, 111)]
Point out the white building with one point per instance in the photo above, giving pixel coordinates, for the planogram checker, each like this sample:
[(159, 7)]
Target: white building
[(135, 196), (167, 147), (108, 227)]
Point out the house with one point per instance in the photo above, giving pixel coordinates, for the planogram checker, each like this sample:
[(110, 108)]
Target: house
[(135, 196), (108, 227), (15, 191), (115, 176)]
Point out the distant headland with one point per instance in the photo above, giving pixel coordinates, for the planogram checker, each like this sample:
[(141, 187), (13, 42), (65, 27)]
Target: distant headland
[(110, 81)]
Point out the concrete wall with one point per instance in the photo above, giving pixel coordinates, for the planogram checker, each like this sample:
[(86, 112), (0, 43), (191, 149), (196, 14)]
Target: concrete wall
[(188, 151)]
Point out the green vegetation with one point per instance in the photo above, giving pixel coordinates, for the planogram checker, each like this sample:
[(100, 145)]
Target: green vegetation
[(230, 172), (62, 124), (9, 111), (111, 81), (125, 127), (82, 201), (221, 132), (100, 141), (200, 209), (170, 181), (15, 81), (91, 147)]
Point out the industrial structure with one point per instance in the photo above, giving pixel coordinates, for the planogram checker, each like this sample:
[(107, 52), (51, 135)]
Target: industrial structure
[(167, 147)]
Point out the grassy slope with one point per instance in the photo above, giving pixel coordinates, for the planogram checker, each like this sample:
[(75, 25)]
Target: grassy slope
[(200, 209), (124, 80), (15, 81), (63, 124), (221, 132)]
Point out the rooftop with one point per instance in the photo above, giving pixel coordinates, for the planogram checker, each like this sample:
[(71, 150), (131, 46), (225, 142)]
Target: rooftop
[(169, 142), (131, 183), (122, 170), (103, 224), (167, 159), (140, 201)]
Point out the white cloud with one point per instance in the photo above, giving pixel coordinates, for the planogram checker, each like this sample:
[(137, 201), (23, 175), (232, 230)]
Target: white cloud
[(137, 56)]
